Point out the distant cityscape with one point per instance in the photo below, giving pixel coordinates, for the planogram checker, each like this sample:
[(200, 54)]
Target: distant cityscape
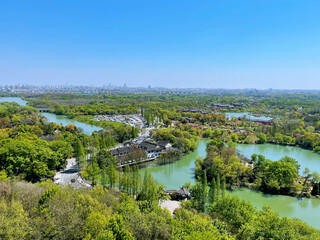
[(21, 88)]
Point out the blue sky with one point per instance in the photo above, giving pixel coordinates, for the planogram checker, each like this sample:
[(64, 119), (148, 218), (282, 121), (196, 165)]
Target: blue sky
[(167, 43)]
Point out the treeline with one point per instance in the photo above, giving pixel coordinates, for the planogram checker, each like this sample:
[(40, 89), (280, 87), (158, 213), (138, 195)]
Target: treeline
[(157, 113), (103, 169), (119, 131), (48, 211), (285, 133), (153, 116), (93, 108), (287, 106)]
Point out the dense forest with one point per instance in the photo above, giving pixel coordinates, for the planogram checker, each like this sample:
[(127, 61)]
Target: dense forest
[(47, 211)]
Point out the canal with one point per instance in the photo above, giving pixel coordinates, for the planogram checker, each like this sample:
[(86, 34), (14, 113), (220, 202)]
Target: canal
[(64, 121)]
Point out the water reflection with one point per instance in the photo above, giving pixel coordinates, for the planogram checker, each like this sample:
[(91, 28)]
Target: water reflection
[(64, 121), (174, 175), (306, 158)]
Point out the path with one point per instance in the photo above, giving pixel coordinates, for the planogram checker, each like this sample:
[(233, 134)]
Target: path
[(70, 176), (170, 205)]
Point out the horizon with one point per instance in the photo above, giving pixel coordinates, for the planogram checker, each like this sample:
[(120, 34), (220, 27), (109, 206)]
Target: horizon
[(125, 86), (212, 45)]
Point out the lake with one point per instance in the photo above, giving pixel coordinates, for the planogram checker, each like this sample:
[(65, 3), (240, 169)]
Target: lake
[(174, 175), (306, 158), (249, 116), (64, 121), (58, 119)]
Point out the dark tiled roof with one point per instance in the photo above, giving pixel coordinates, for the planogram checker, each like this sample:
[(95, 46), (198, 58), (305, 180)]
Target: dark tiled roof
[(183, 191), (115, 152), (162, 143), (124, 150), (148, 146)]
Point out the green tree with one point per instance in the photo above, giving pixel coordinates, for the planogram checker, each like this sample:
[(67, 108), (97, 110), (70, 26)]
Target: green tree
[(78, 148), (262, 138), (235, 211), (213, 191), (218, 187), (306, 173), (150, 192), (93, 170), (112, 175), (14, 221), (136, 180), (95, 224), (223, 187)]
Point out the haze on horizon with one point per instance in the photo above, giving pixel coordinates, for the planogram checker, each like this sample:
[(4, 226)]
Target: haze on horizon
[(208, 44)]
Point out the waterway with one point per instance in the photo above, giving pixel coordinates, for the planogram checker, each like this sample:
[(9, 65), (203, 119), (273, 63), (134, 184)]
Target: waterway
[(64, 121), (14, 99), (306, 158), (174, 175), (58, 119), (249, 116)]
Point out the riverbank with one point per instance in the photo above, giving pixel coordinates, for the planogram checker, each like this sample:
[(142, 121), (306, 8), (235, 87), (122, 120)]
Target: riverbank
[(176, 174), (64, 121), (306, 158), (310, 160)]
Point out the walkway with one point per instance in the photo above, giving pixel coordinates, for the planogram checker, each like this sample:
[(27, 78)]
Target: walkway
[(137, 162), (70, 176), (170, 205)]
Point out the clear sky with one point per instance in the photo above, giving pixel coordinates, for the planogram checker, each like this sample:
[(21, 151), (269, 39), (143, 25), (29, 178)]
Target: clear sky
[(168, 43)]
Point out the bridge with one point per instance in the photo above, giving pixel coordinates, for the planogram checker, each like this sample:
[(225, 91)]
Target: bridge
[(43, 110)]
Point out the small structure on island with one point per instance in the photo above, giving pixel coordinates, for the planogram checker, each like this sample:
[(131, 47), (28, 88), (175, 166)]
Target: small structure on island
[(181, 194)]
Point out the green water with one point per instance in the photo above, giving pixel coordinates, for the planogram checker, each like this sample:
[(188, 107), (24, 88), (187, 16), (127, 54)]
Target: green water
[(174, 175), (58, 119), (14, 99), (306, 158), (230, 115), (64, 120)]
